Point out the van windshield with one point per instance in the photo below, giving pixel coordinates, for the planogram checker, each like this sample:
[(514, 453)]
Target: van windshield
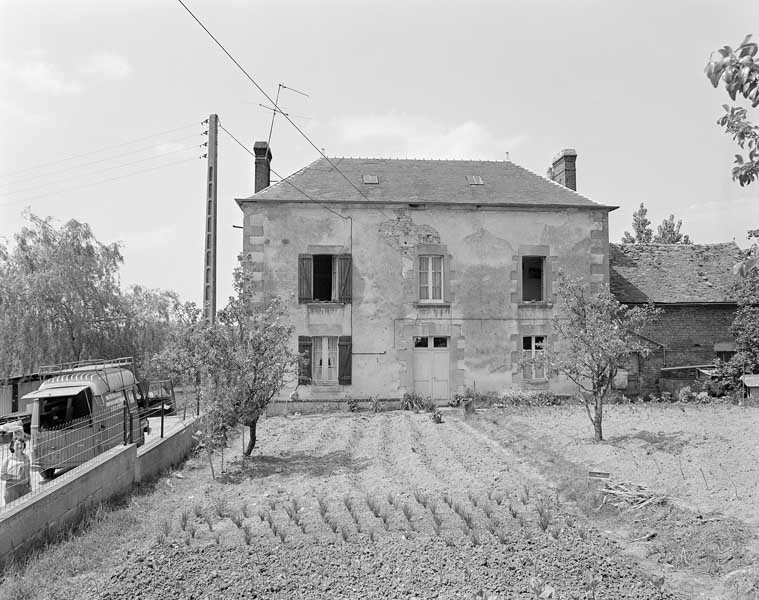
[(57, 410)]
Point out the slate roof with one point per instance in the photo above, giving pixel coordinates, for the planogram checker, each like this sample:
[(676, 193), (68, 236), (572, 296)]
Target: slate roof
[(423, 181), (673, 273)]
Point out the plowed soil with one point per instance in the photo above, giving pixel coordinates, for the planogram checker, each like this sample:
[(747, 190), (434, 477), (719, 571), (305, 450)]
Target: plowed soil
[(392, 505)]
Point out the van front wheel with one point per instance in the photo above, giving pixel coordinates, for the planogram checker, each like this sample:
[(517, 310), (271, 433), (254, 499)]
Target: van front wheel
[(47, 474)]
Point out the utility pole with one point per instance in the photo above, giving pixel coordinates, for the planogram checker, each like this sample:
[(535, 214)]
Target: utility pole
[(209, 272)]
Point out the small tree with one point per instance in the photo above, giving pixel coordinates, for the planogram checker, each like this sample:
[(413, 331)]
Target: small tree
[(669, 232), (642, 232), (745, 326), (185, 353), (249, 355), (596, 334)]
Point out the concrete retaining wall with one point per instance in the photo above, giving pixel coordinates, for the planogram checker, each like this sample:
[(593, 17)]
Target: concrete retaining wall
[(156, 457), (109, 475)]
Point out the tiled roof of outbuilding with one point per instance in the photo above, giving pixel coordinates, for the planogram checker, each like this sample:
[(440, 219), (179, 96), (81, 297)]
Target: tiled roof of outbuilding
[(422, 181), (673, 273)]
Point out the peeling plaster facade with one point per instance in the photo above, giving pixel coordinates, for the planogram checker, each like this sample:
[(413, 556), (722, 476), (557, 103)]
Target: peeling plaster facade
[(482, 316)]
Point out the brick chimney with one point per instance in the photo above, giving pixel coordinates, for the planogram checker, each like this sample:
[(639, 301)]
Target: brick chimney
[(263, 165), (563, 169)]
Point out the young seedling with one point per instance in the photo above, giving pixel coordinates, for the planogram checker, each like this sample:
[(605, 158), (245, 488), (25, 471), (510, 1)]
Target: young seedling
[(245, 510), (236, 518), (407, 512), (220, 504), (216, 537), (160, 538), (512, 511), (322, 508), (436, 526), (385, 521), (488, 510), (247, 533), (183, 517), (187, 539), (524, 496), (373, 506), (166, 527), (191, 529), (197, 508), (208, 518), (590, 582), (476, 541), (390, 499), (372, 536), (544, 516), (344, 534), (540, 588)]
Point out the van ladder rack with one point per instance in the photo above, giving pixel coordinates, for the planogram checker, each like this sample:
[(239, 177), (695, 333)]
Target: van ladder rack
[(124, 362)]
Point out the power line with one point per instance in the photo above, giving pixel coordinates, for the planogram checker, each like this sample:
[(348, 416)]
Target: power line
[(99, 182), (94, 162), (98, 171), (98, 150), (244, 147), (291, 184), (260, 89)]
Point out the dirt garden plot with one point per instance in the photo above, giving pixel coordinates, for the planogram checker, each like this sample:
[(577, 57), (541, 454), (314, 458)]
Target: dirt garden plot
[(366, 505)]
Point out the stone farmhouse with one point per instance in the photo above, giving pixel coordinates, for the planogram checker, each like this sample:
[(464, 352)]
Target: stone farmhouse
[(434, 276), (693, 286)]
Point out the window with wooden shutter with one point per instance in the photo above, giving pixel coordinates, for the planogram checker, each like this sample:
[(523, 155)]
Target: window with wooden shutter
[(305, 278), (345, 268), (346, 359), (305, 347)]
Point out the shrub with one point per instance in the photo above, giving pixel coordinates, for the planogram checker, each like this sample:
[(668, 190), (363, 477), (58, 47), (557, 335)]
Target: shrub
[(530, 398), (352, 404), (437, 417), (417, 402)]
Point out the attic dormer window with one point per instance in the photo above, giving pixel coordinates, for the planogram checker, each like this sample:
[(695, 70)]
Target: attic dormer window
[(474, 180), (371, 179)]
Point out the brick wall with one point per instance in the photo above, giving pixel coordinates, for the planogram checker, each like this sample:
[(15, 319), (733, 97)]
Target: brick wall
[(689, 333)]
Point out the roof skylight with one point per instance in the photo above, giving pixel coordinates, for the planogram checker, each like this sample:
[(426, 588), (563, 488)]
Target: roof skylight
[(373, 179), (474, 180)]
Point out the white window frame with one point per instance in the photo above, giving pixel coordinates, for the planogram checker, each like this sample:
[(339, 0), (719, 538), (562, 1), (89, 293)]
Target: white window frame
[(532, 371), (325, 359), (426, 276)]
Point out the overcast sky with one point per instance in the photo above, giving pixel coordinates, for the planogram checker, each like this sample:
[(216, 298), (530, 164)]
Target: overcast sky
[(622, 82)]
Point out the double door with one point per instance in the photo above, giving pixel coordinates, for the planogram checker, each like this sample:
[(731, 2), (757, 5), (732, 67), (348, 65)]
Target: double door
[(432, 365)]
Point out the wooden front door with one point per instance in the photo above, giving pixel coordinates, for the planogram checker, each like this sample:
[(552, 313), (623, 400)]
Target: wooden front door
[(432, 367)]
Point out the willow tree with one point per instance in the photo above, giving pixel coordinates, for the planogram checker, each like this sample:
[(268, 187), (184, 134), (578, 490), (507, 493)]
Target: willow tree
[(59, 297)]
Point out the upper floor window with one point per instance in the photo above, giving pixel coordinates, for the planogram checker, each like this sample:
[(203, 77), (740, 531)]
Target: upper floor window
[(324, 278), (431, 278), (533, 348), (533, 278)]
